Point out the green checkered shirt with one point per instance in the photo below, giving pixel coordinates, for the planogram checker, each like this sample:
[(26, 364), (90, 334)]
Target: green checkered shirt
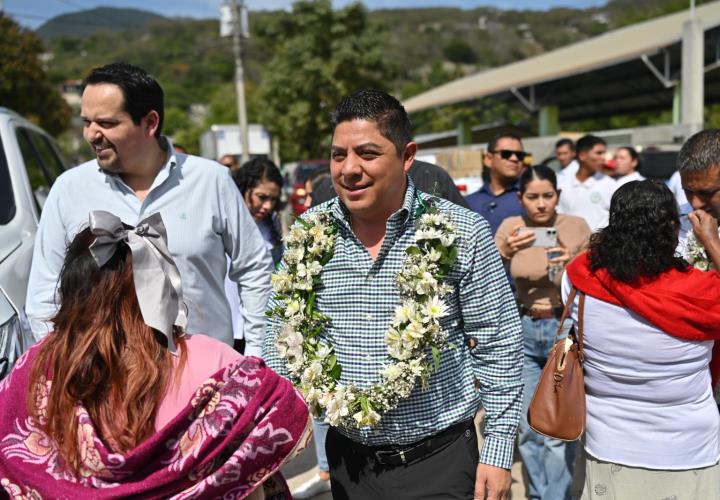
[(360, 296)]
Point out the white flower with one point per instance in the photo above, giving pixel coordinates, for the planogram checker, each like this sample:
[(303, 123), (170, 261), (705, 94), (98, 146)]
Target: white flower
[(323, 351), (296, 236), (392, 372), (294, 306), (294, 255), (406, 311), (336, 406), (434, 255), (281, 281), (427, 234), (313, 372), (447, 239), (426, 285), (434, 309), (367, 418)]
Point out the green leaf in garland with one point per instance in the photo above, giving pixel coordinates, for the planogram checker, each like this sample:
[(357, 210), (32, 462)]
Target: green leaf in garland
[(436, 357), (335, 372), (310, 304)]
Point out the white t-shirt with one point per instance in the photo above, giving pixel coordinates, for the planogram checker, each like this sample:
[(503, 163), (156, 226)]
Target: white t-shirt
[(568, 171), (589, 200), (675, 186), (648, 397), (634, 176)]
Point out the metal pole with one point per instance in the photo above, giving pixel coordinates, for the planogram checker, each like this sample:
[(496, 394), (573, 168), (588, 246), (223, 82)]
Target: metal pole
[(239, 80)]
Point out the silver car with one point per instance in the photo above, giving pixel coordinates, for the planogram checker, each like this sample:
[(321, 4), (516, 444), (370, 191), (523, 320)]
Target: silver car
[(29, 163)]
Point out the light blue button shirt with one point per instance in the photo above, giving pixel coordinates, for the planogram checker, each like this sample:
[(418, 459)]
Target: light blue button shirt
[(206, 219)]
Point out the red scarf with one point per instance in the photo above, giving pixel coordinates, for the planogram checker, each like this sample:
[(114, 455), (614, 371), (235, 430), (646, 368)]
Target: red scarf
[(684, 304)]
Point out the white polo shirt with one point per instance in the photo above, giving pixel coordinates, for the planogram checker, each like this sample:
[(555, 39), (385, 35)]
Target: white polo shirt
[(589, 200), (569, 171), (634, 176)]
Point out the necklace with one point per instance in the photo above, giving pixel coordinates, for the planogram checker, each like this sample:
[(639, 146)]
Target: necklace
[(414, 330)]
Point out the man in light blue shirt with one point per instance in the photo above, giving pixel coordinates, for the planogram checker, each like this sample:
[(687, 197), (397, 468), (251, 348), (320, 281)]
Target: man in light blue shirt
[(137, 173)]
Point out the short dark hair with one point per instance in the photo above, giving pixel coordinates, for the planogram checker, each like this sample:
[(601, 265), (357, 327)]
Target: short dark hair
[(252, 172), (641, 237), (701, 151), (141, 92), (587, 142), (565, 142), (493, 142), (380, 107), (537, 172), (633, 154)]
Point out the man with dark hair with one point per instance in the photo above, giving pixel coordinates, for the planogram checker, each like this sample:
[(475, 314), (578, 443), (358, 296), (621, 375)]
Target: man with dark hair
[(699, 167), (424, 444), (137, 172), (587, 194), (498, 198), (565, 154)]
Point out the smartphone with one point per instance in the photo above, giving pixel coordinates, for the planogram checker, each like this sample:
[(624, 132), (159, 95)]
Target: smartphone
[(544, 236)]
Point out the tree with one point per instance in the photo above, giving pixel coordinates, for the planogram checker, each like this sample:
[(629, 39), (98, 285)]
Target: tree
[(458, 51), (317, 56), (24, 85)]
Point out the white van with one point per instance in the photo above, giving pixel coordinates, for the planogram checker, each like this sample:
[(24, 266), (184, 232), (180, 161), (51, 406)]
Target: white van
[(30, 160)]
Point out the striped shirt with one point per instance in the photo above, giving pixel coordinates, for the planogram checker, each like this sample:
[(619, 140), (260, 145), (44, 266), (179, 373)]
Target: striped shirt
[(360, 296)]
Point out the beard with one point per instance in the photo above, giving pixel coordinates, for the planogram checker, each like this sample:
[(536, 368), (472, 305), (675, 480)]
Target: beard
[(107, 158)]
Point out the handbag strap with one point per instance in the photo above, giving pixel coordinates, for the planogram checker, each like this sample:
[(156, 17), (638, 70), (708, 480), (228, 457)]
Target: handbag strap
[(566, 311), (579, 336)]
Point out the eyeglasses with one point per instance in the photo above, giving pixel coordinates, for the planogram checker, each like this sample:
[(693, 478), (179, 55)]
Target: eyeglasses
[(506, 154)]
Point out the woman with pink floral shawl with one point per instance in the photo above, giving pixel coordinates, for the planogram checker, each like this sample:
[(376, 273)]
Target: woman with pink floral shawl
[(98, 408)]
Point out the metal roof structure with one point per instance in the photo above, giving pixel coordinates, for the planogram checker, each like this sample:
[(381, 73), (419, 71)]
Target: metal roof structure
[(628, 70)]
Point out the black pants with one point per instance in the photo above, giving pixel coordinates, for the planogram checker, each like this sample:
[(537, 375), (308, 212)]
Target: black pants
[(448, 473)]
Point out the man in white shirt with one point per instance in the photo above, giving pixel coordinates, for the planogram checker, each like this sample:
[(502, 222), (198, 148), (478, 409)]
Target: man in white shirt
[(136, 173), (565, 154), (587, 194)]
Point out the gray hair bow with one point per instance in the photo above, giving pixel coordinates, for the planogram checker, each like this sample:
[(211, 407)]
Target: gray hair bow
[(157, 279)]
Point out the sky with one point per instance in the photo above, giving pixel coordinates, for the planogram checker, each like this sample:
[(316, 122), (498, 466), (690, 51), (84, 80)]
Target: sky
[(33, 13)]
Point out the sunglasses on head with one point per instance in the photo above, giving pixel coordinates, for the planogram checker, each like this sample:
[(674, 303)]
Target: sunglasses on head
[(506, 154)]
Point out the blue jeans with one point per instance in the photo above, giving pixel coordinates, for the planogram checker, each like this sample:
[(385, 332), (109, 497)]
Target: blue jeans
[(549, 462), (320, 429)]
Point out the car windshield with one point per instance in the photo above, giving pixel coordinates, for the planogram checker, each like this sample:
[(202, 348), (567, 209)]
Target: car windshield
[(7, 200)]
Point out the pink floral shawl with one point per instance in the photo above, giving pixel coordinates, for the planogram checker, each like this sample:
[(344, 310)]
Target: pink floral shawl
[(242, 424)]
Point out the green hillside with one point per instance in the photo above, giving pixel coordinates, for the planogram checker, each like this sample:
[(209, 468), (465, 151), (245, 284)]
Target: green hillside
[(101, 19), (419, 48)]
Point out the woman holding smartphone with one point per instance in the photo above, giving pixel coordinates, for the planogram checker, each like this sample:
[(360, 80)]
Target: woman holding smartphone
[(537, 246)]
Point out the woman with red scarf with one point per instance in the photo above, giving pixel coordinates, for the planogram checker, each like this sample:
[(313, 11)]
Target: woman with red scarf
[(652, 429)]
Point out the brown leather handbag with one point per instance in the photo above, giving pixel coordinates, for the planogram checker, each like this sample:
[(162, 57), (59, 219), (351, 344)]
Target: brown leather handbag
[(557, 409)]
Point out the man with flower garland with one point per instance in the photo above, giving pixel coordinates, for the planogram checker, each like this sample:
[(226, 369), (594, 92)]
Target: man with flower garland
[(393, 315), (699, 167)]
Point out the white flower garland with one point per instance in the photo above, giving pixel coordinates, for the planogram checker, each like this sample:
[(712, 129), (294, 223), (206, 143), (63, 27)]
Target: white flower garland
[(415, 327), (697, 255)]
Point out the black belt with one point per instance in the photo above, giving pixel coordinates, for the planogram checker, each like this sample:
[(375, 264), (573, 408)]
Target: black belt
[(395, 455)]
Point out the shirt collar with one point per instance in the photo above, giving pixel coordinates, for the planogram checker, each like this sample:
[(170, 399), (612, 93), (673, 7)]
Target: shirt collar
[(171, 162), (486, 189)]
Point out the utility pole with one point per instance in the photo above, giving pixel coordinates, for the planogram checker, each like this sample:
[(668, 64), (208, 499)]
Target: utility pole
[(237, 12)]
